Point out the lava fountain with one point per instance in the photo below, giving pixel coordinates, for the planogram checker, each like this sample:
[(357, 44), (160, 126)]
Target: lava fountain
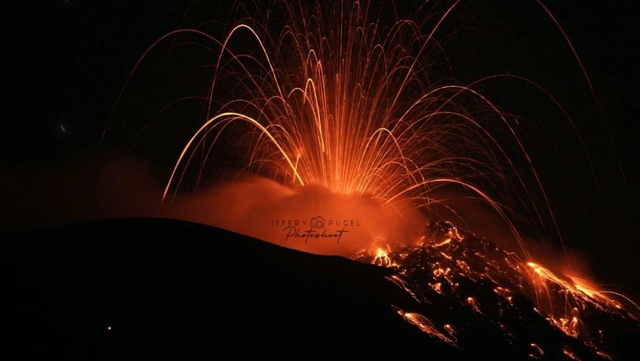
[(339, 99)]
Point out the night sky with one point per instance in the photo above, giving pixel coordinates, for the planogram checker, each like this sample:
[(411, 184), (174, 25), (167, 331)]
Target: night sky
[(65, 62)]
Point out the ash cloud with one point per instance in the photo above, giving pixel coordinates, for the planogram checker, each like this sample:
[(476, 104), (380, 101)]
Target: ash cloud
[(50, 196), (46, 197), (267, 210)]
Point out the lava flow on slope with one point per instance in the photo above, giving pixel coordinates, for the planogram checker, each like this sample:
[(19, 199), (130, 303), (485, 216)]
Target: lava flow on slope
[(478, 297)]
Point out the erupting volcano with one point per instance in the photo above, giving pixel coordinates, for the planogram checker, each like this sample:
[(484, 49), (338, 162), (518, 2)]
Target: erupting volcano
[(340, 117), (341, 128)]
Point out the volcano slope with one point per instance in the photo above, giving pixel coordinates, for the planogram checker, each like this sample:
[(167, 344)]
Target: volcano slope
[(147, 288)]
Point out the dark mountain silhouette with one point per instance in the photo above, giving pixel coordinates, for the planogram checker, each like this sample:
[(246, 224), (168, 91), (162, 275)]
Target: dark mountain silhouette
[(141, 288), (150, 288)]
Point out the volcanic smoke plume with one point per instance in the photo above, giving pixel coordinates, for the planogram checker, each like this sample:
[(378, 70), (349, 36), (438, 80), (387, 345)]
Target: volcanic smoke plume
[(267, 210)]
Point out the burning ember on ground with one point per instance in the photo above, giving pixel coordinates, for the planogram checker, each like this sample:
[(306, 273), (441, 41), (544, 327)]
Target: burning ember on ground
[(487, 290)]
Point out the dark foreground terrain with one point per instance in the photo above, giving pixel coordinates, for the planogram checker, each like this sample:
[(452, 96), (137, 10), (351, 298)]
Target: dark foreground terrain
[(150, 288), (145, 288)]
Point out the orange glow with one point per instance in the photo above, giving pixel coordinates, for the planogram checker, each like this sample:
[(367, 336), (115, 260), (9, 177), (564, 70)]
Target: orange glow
[(382, 258), (571, 355), (569, 303), (425, 325), (446, 241), (473, 304), (359, 107), (566, 314), (537, 351)]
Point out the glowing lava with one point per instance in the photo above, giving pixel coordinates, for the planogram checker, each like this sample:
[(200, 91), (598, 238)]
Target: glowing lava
[(501, 292)]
